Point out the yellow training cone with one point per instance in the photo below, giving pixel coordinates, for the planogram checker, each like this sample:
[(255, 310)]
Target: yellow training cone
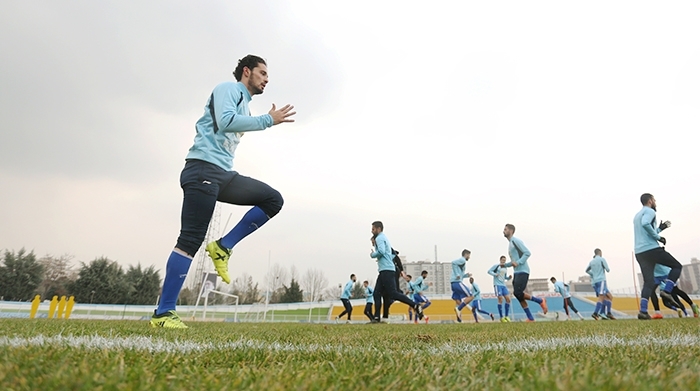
[(35, 307), (69, 306), (52, 306), (61, 307)]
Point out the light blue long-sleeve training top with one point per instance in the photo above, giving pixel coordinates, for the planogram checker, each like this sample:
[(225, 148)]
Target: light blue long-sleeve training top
[(561, 288), (500, 274), (369, 293), (646, 232), (219, 130), (476, 291), (459, 269), (661, 270), (347, 291), (420, 285), (597, 268), (382, 252), (519, 254)]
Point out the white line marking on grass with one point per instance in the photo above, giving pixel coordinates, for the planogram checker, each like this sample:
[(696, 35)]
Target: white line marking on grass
[(155, 345)]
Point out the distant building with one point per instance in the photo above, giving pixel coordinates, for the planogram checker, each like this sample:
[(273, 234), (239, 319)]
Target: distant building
[(583, 285), (438, 273), (537, 285), (689, 280)]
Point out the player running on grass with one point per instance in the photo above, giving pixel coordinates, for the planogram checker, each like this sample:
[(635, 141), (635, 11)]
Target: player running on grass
[(476, 302), (649, 253), (208, 177), (345, 299), (563, 290), (500, 276), (369, 294), (597, 269), (519, 255), (386, 282), (460, 293), (660, 276)]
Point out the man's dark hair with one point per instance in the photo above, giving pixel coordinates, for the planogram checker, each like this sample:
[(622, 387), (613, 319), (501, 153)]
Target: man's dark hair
[(465, 252), (351, 276), (552, 279), (502, 257), (409, 276), (378, 224), (366, 282), (423, 272), (510, 227), (250, 61), (597, 252), (645, 198)]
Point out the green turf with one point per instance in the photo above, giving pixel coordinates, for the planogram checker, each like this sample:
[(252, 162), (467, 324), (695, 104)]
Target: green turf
[(287, 356)]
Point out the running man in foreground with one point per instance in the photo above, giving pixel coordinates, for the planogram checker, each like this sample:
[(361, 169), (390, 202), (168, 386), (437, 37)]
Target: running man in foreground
[(208, 177), (597, 269), (345, 299), (519, 255), (476, 302), (386, 282), (500, 276), (649, 253), (563, 289), (460, 293)]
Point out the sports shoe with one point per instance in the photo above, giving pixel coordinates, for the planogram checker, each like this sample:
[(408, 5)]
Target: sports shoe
[(696, 311), (507, 319), (545, 309), (492, 318), (219, 255), (657, 315), (579, 315), (596, 316), (419, 312), (427, 319), (603, 317), (667, 296), (384, 321), (503, 320), (610, 316), (167, 320), (459, 314), (680, 312), (643, 315), (529, 320), (337, 319)]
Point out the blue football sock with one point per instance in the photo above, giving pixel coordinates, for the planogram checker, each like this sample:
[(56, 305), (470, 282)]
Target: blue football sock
[(175, 273), (461, 306), (669, 286), (507, 309), (536, 299), (410, 315), (598, 308), (607, 306), (685, 312), (500, 310), (644, 305), (528, 313), (252, 220), (476, 318)]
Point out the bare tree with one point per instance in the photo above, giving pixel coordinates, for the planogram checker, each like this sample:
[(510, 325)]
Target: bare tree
[(275, 279), (293, 274), (313, 283), (333, 292), (58, 273)]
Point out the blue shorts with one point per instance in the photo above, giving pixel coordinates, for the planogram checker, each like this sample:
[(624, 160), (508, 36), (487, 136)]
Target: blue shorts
[(419, 298), (601, 288), (501, 290), (459, 290), (476, 304), (659, 280)]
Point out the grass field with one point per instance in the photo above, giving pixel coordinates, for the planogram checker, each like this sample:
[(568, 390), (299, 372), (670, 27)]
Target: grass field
[(125, 355)]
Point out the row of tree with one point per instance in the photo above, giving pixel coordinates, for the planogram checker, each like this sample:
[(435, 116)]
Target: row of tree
[(23, 275)]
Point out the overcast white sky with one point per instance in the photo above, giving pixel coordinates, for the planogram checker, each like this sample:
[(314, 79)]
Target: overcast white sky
[(445, 121)]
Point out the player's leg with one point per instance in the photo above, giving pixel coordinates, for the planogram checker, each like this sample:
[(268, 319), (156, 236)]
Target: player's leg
[(566, 307), (368, 311), (242, 190), (646, 263), (199, 200), (345, 310), (519, 286), (506, 296), (664, 258), (499, 296), (378, 294), (396, 295), (426, 301)]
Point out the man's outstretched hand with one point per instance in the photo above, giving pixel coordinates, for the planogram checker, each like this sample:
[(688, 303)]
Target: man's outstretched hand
[(281, 115)]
